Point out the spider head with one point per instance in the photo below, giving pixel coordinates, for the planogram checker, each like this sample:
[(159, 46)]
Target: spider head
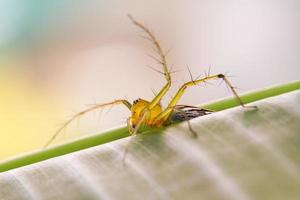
[(139, 107)]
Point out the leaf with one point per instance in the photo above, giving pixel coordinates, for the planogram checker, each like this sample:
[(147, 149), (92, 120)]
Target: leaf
[(239, 154)]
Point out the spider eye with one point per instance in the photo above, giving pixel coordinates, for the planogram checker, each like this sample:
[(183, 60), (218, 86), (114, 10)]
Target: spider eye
[(135, 101)]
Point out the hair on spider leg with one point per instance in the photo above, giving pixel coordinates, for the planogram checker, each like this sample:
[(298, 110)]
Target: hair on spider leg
[(154, 41), (171, 70), (220, 83), (160, 54), (153, 92), (190, 73), (155, 59), (145, 37), (222, 80), (209, 69), (198, 77), (101, 112), (156, 70), (109, 108), (98, 114), (207, 83), (155, 50), (236, 87), (168, 51), (207, 72), (192, 79), (206, 76), (226, 74), (163, 73), (230, 87)]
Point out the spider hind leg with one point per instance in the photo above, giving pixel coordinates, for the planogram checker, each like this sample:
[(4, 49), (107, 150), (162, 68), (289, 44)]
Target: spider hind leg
[(164, 116)]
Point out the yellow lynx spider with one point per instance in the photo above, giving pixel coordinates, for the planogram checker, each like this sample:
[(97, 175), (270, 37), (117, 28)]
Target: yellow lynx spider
[(151, 113)]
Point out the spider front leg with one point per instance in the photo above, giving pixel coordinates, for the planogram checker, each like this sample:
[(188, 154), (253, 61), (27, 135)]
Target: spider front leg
[(162, 60), (163, 117), (97, 106), (133, 130)]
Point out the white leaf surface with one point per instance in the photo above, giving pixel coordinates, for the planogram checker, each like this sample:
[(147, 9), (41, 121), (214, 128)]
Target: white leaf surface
[(239, 154)]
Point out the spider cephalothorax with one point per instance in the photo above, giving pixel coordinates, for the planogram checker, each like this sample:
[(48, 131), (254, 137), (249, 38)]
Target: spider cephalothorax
[(138, 109)]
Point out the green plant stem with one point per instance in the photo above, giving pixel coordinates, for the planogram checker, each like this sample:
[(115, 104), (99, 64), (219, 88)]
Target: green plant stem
[(119, 133)]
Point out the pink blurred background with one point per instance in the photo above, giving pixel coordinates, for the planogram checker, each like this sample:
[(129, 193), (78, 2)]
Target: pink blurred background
[(59, 56)]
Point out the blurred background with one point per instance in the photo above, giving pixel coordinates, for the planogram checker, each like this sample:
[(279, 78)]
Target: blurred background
[(59, 56)]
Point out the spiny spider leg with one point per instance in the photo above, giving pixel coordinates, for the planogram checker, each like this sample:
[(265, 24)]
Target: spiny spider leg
[(163, 62), (133, 131), (167, 112), (98, 106)]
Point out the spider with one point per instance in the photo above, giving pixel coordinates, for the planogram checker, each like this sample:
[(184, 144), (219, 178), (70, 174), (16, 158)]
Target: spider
[(151, 113)]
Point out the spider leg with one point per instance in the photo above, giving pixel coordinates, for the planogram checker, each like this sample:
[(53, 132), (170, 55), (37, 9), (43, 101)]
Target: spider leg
[(133, 131), (95, 107), (166, 113), (161, 60), (129, 126), (193, 132)]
